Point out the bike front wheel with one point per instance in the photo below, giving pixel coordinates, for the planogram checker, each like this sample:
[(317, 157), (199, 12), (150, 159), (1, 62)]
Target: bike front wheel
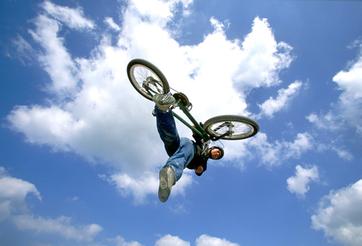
[(146, 78), (231, 127)]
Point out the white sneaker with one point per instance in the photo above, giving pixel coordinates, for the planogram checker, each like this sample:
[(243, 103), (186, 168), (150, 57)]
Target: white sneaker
[(164, 101), (167, 180)]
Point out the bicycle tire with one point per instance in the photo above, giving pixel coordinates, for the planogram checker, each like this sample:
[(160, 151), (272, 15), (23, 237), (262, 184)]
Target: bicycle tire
[(213, 125), (149, 70)]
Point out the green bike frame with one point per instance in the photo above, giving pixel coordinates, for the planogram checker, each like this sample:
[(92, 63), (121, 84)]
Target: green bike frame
[(196, 127)]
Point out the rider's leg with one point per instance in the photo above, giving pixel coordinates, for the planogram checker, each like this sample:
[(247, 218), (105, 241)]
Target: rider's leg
[(181, 152), (182, 157), (166, 127), (173, 169)]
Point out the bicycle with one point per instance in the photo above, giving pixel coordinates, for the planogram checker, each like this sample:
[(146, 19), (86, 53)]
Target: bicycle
[(148, 80)]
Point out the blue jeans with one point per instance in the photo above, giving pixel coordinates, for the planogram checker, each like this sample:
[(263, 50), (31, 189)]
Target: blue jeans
[(180, 150)]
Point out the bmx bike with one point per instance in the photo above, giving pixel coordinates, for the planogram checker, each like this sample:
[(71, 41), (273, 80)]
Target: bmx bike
[(148, 80)]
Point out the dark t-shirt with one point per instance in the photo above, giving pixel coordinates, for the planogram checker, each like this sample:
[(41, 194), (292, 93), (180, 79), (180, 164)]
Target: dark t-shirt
[(200, 158)]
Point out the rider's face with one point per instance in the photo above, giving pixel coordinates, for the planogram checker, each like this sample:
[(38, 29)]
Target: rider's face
[(215, 154)]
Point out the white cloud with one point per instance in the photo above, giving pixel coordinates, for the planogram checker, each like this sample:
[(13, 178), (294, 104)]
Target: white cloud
[(171, 240), (299, 183), (14, 209), (262, 57), (350, 82), (61, 226), (339, 215), (138, 188), (98, 115), (206, 240), (13, 193), (202, 240), (327, 121), (55, 59), (271, 106), (235, 153), (110, 22), (346, 112), (74, 18), (146, 185), (120, 241), (274, 153), (160, 12), (302, 143), (24, 52), (31, 119), (270, 152), (343, 154)]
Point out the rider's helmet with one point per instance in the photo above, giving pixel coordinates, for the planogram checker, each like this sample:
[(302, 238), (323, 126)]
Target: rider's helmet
[(218, 148)]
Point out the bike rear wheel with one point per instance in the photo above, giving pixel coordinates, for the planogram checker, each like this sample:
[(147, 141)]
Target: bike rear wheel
[(146, 78), (231, 127)]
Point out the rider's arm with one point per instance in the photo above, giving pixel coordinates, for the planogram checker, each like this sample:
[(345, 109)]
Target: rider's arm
[(197, 138), (200, 169)]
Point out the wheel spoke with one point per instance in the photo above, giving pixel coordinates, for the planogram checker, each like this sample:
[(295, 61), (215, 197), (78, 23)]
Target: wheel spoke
[(147, 80), (220, 126), (231, 129)]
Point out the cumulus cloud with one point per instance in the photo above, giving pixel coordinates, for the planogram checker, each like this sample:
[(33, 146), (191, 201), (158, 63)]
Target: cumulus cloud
[(147, 185), (120, 241), (202, 240), (93, 111), (14, 209), (274, 153), (63, 229), (344, 116), (346, 112), (273, 105), (13, 193), (113, 25), (342, 153), (160, 12), (350, 82), (30, 120), (262, 57), (206, 240), (302, 143), (61, 226), (171, 240), (339, 215), (55, 59), (74, 18), (299, 183), (24, 52), (327, 121)]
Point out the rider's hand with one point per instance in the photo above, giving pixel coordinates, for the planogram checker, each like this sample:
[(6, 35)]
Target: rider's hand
[(199, 170)]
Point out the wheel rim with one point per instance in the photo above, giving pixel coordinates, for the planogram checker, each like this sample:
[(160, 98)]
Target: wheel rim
[(141, 75), (231, 129)]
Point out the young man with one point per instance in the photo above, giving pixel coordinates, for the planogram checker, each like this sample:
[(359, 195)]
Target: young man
[(182, 152)]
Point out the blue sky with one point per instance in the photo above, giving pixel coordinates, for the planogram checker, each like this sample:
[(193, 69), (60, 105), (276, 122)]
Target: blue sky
[(80, 152)]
